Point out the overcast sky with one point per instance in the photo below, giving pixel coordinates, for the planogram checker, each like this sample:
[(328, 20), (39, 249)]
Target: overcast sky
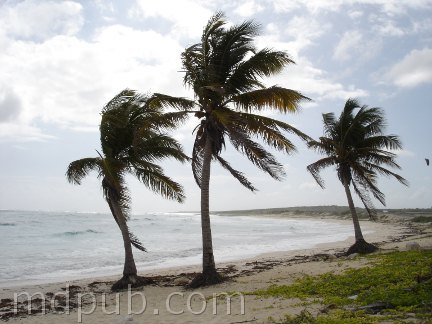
[(61, 61)]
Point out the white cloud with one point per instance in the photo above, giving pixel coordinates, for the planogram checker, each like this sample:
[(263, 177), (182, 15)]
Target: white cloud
[(41, 19), (349, 41), (354, 45), (391, 7), (355, 14), (315, 83), (10, 104), (65, 81), (413, 70), (188, 16), (248, 8), (21, 132)]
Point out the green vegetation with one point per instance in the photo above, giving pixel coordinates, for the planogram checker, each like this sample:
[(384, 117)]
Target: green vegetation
[(400, 280), (338, 316), (422, 219)]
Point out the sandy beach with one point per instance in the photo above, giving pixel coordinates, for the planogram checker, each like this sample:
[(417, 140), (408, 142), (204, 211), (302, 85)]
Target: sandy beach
[(167, 301)]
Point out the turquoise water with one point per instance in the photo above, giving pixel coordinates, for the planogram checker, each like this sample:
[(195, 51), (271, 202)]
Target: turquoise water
[(53, 246)]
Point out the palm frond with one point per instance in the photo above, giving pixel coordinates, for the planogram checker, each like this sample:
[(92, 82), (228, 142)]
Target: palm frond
[(236, 174), (255, 123), (316, 167), (256, 154), (158, 146), (282, 99), (178, 103), (386, 172), (198, 154), (390, 142), (152, 177), (79, 169), (367, 202), (247, 74)]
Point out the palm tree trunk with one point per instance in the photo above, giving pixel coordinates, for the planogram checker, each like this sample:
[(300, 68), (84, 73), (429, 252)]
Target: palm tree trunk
[(207, 242), (209, 274), (129, 264), (360, 245), (357, 230), (130, 277)]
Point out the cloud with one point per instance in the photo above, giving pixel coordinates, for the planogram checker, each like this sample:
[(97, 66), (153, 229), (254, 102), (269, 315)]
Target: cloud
[(187, 16), (32, 19), (10, 105), (413, 70), (248, 8), (66, 81), (353, 45), (348, 43), (390, 7), (315, 83)]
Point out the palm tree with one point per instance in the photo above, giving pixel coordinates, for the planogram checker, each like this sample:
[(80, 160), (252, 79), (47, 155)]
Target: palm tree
[(225, 70), (356, 145), (132, 142)]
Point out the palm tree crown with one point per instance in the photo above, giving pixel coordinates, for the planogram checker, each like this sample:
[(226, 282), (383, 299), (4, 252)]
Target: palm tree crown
[(225, 71), (356, 145), (132, 142)]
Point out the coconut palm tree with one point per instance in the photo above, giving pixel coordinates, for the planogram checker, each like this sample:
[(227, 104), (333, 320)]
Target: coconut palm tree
[(225, 70), (356, 145), (132, 142)]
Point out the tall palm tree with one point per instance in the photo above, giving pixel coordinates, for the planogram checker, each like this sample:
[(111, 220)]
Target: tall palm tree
[(356, 145), (225, 70), (132, 142)]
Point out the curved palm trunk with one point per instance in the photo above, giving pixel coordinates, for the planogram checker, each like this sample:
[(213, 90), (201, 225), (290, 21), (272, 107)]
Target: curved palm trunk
[(360, 245), (130, 276), (209, 274), (129, 268), (357, 230)]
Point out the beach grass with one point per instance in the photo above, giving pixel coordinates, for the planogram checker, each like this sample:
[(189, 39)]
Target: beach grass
[(398, 283)]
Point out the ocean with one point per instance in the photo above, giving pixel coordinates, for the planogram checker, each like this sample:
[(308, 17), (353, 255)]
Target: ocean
[(40, 247)]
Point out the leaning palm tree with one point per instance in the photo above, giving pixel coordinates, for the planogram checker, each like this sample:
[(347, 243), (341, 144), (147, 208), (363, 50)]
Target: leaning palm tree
[(356, 145), (225, 70), (132, 142)]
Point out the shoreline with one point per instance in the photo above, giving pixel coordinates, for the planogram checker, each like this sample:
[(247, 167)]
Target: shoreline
[(368, 228), (244, 275)]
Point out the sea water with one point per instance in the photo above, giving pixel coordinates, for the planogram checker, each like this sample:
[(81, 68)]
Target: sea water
[(41, 247)]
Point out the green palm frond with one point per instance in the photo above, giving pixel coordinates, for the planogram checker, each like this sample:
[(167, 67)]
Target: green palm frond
[(79, 169), (158, 146), (261, 158), (259, 124), (178, 103), (281, 99), (198, 154), (153, 178), (236, 174), (366, 200), (386, 172), (248, 73), (319, 165), (389, 142)]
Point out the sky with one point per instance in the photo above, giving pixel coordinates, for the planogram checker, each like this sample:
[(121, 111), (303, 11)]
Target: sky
[(61, 61)]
